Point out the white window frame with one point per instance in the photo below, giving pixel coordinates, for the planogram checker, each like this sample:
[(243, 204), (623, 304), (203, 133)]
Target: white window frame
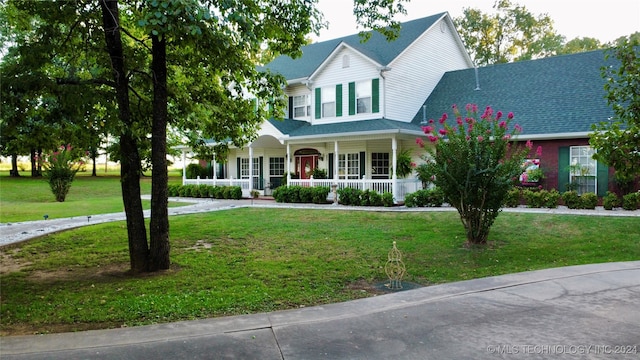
[(583, 169), (276, 166), (328, 101), (244, 168), (380, 165), (301, 106), (349, 166), (364, 97)]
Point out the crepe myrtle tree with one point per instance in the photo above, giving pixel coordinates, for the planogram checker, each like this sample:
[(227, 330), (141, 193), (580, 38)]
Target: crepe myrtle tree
[(475, 161)]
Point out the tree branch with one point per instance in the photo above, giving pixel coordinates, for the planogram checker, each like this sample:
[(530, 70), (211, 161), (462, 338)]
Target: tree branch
[(73, 81), (134, 38)]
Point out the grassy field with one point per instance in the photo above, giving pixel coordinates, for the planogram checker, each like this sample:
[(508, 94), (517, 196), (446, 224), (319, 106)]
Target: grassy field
[(26, 198), (251, 260)]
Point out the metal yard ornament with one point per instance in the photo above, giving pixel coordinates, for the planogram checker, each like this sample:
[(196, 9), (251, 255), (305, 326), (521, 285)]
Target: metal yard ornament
[(395, 268)]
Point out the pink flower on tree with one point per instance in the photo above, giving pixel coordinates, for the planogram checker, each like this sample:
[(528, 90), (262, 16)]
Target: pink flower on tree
[(443, 118), (480, 138), (498, 115), (510, 115), (529, 144), (503, 124), (433, 139), (517, 129), (420, 142), (539, 151), (427, 129), (443, 131)]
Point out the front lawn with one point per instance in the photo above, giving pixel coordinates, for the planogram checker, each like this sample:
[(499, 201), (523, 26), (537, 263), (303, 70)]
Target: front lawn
[(250, 260)]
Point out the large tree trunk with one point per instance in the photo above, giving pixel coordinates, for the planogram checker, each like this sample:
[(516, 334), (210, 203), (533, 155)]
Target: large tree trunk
[(14, 166), (93, 161), (159, 225), (35, 167), (130, 167)]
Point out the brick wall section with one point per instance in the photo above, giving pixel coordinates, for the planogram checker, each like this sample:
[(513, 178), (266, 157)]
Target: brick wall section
[(549, 160)]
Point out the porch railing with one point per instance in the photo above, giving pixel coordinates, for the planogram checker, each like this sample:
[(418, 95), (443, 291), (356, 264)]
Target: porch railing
[(403, 186)]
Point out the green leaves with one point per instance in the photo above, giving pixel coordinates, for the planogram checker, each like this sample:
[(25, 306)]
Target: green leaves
[(512, 33), (474, 162), (618, 141)]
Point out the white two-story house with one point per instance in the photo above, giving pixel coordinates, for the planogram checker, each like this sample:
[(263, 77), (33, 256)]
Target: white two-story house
[(351, 112)]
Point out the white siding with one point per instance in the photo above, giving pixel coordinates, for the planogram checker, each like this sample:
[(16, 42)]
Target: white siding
[(332, 74), (415, 73)]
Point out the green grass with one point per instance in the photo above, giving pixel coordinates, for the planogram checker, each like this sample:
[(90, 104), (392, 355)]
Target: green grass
[(26, 198), (253, 260)]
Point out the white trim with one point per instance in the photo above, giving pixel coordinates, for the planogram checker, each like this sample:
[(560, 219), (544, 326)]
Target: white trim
[(553, 136), (339, 48)]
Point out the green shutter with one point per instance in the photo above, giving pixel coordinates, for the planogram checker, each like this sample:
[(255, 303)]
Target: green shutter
[(339, 100), (563, 168), (318, 103), (331, 165), (375, 95), (238, 168), (352, 98), (603, 178), (363, 165), (261, 171)]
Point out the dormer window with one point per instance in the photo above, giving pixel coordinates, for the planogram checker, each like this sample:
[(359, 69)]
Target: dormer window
[(346, 61)]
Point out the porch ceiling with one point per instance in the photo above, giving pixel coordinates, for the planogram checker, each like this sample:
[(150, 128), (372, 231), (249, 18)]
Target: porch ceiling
[(267, 141)]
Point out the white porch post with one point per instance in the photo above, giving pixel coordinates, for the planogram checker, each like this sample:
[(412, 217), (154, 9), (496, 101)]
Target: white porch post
[(184, 166), (394, 177), (335, 160), (214, 165), (250, 167), (288, 163)]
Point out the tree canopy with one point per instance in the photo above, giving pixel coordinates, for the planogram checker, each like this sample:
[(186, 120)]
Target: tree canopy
[(137, 68), (617, 141), (511, 33)]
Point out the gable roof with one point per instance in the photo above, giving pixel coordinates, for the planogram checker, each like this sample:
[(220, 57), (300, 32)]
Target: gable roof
[(377, 48), (550, 98)]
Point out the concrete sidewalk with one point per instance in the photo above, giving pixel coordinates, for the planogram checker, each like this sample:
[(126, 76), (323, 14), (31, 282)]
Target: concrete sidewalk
[(20, 231), (578, 312)]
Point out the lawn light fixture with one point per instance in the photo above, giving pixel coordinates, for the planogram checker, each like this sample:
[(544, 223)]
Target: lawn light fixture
[(45, 216)]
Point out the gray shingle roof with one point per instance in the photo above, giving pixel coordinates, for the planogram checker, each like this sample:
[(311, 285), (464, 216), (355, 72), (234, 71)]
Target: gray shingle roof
[(562, 94), (296, 128), (377, 48)]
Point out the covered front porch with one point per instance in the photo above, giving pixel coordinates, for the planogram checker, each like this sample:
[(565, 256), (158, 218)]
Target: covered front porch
[(362, 162)]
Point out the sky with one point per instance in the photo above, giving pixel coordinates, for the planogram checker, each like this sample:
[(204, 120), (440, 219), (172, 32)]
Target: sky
[(605, 20)]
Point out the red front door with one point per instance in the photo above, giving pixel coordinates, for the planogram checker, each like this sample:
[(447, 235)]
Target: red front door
[(307, 164)]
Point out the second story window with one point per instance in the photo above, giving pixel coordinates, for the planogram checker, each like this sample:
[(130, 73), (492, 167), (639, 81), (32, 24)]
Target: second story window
[(328, 101), (363, 97), (301, 106)]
